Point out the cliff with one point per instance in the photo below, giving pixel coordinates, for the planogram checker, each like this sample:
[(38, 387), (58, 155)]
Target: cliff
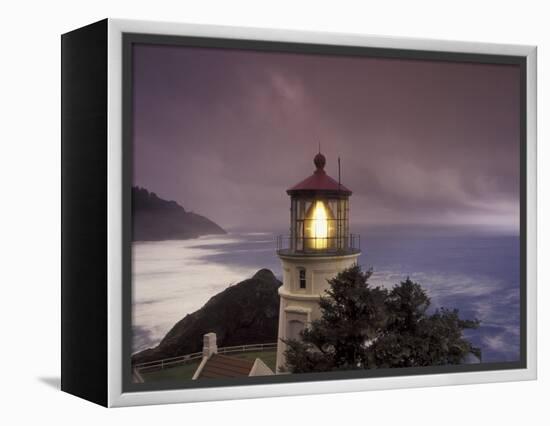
[(155, 219), (245, 313)]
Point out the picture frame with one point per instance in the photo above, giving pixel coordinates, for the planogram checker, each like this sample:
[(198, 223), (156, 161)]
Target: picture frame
[(97, 162)]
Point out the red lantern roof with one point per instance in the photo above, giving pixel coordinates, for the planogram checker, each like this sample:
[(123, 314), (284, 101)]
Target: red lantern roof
[(319, 181)]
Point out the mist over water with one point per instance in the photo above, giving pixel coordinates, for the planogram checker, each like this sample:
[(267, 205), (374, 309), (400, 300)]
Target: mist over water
[(476, 272)]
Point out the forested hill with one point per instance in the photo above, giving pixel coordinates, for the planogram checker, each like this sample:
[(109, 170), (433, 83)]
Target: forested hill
[(244, 313)]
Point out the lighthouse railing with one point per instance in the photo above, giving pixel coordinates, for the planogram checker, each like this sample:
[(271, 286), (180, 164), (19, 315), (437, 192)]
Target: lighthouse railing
[(287, 244)]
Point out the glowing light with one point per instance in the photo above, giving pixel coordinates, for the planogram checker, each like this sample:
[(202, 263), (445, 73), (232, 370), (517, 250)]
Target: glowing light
[(317, 230)]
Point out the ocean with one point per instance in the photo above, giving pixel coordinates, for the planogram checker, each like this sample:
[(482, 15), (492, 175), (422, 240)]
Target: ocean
[(474, 271)]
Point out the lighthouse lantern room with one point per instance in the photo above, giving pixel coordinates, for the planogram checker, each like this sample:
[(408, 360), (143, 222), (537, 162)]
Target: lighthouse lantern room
[(318, 247)]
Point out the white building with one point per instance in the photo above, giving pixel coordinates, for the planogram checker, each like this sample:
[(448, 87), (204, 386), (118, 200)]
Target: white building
[(319, 246), (218, 366)]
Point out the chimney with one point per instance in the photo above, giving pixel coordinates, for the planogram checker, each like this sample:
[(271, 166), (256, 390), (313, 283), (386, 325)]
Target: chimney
[(209, 346)]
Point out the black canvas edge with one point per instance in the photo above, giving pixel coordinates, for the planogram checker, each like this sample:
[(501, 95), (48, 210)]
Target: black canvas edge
[(129, 39), (84, 74)]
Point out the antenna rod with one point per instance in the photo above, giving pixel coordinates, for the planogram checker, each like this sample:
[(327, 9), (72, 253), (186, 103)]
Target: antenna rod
[(339, 174)]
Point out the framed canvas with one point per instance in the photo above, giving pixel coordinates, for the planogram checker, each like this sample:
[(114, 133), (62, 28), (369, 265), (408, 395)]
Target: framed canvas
[(252, 212)]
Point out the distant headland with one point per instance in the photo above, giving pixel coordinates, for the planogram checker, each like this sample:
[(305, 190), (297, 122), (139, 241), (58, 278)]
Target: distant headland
[(155, 219)]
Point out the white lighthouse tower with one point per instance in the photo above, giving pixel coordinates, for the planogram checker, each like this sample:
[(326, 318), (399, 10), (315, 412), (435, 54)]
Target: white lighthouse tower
[(319, 246)]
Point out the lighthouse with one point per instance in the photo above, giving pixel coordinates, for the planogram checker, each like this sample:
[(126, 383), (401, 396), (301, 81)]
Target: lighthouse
[(319, 246)]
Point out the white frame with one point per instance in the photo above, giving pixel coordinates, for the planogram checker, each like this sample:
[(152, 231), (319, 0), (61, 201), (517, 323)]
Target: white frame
[(116, 397)]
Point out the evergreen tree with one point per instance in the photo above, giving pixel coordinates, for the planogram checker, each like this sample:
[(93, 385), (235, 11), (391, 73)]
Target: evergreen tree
[(362, 326)]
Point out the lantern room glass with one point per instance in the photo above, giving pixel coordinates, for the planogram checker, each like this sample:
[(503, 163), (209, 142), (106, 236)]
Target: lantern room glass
[(319, 224)]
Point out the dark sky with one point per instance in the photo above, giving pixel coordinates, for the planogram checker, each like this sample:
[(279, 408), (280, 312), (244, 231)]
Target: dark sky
[(225, 133)]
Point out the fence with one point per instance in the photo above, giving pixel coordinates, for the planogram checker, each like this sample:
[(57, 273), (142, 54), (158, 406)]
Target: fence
[(145, 367)]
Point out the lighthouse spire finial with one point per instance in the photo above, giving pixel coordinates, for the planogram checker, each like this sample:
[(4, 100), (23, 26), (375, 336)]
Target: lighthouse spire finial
[(319, 160)]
